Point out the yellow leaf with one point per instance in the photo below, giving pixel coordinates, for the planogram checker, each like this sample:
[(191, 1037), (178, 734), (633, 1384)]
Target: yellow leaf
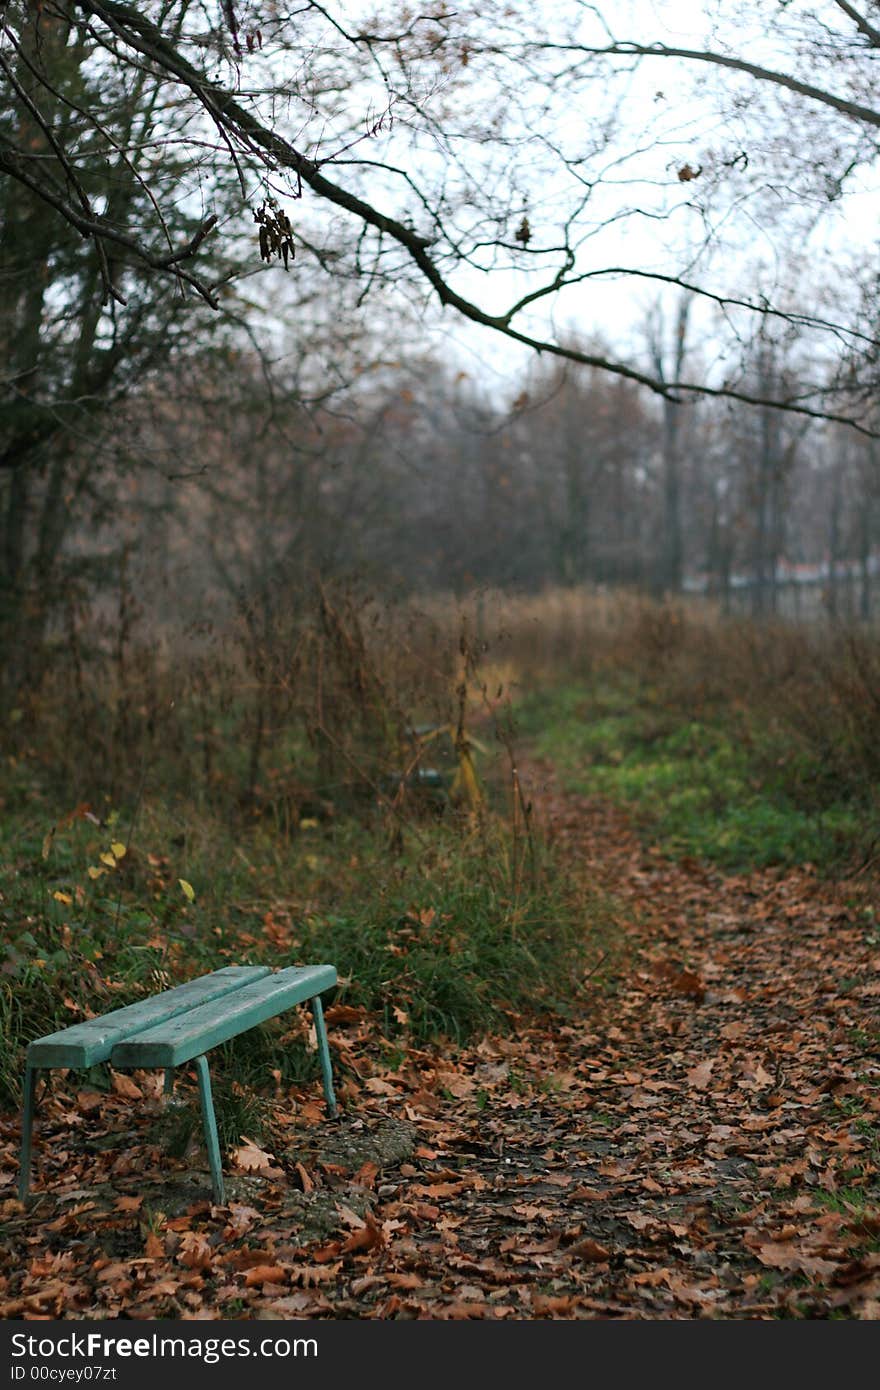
[(118, 848), (465, 787), (94, 872), (47, 842), (62, 897), (308, 823), (188, 890), (311, 861), (108, 859)]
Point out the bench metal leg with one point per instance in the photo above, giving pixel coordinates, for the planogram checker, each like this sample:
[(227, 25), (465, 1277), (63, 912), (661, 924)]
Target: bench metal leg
[(212, 1142), (324, 1054), (169, 1081), (27, 1122)]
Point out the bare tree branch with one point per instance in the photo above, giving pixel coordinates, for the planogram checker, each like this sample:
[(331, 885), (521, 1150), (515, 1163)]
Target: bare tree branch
[(627, 48), (140, 34), (863, 25)]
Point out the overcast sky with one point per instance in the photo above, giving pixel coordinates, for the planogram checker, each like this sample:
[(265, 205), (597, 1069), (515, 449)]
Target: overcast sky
[(750, 234)]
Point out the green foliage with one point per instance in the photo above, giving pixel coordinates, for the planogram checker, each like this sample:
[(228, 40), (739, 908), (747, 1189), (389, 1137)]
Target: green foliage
[(445, 932), (726, 788), (449, 941)]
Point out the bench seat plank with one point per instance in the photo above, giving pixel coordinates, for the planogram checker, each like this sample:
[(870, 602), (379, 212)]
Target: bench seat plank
[(182, 1038), (85, 1044)]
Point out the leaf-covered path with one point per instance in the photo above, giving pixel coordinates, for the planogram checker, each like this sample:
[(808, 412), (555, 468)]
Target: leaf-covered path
[(700, 1140)]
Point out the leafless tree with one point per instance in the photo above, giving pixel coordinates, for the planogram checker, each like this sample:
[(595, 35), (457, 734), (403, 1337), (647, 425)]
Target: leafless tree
[(439, 143)]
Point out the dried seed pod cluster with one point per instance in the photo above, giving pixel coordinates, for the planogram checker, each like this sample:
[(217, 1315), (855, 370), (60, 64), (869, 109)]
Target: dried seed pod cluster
[(276, 233)]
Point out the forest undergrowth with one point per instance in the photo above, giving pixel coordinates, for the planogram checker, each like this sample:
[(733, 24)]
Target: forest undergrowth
[(485, 820)]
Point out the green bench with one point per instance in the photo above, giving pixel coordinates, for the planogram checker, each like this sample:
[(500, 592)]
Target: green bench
[(180, 1026)]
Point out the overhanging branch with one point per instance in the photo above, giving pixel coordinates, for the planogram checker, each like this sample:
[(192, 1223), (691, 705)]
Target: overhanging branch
[(138, 33)]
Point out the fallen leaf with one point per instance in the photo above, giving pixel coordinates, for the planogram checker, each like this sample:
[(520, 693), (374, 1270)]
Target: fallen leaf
[(124, 1086), (195, 1251), (154, 1246), (700, 1076), (343, 1013), (252, 1159), (782, 1256), (265, 1274), (553, 1304), (89, 1101), (247, 1259), (367, 1237), (589, 1249), (688, 983), (652, 1278), (307, 1181), (378, 1087), (366, 1175)]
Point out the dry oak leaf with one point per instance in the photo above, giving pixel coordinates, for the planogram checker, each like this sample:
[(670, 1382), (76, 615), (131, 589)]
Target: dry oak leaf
[(367, 1237), (154, 1246), (310, 1276), (350, 1217), (639, 1220), (343, 1013), (164, 1287), (378, 1087), (652, 1277), (252, 1159), (760, 1075), (457, 1084), (89, 1101), (124, 1086), (589, 1250), (553, 1304), (366, 1175), (699, 1077), (247, 1259), (296, 1303), (119, 1271), (438, 1189), (305, 1178), (195, 1251), (462, 1309), (779, 1256), (689, 983), (265, 1274), (241, 1217), (532, 1213)]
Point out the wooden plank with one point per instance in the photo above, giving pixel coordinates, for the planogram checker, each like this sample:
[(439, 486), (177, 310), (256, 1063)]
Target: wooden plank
[(84, 1044), (180, 1039)]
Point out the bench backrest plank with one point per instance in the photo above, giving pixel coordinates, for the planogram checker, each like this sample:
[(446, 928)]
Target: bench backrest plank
[(85, 1044), (186, 1036)]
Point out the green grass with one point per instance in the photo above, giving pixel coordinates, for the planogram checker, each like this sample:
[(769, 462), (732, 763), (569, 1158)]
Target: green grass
[(717, 788), (442, 930)]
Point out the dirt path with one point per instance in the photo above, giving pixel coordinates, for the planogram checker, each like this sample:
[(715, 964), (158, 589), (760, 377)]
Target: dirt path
[(700, 1141)]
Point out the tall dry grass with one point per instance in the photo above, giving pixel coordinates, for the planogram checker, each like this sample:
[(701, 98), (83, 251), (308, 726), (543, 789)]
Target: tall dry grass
[(324, 701)]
